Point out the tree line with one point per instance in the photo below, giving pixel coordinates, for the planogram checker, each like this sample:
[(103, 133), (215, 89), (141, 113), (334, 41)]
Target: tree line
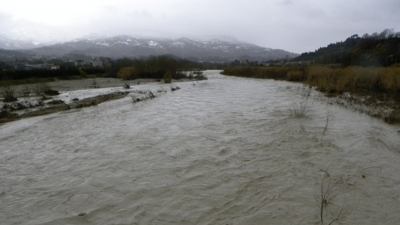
[(377, 49), (126, 68)]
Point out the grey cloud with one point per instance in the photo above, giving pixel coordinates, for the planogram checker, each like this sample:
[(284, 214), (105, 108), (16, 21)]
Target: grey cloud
[(286, 2), (301, 25)]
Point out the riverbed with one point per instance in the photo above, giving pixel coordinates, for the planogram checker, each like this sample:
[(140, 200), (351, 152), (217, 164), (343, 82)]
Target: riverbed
[(223, 151)]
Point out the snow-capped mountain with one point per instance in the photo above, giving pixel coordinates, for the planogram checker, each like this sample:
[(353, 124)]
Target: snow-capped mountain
[(126, 46)]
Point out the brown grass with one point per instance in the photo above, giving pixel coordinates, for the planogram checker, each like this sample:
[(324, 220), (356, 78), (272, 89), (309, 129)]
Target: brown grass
[(273, 72), (9, 95), (330, 79), (355, 79), (128, 73)]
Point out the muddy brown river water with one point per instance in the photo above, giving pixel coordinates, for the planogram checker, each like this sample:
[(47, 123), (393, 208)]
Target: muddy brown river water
[(223, 151)]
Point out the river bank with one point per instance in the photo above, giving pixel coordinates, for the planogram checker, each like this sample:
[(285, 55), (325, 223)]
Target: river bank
[(374, 91), (75, 94)]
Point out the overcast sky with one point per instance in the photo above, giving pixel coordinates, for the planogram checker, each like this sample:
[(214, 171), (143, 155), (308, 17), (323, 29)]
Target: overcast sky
[(294, 25)]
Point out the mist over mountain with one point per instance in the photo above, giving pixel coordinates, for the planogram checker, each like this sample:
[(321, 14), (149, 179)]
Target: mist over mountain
[(214, 50), (13, 44)]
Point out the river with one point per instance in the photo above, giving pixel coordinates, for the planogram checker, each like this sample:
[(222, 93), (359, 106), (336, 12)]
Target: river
[(223, 151)]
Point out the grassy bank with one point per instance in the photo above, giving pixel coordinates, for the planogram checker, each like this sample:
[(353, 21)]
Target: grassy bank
[(380, 83), (374, 80)]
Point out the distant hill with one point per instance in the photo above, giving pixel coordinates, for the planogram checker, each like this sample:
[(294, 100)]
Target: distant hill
[(12, 55), (378, 49), (126, 46), (11, 44)]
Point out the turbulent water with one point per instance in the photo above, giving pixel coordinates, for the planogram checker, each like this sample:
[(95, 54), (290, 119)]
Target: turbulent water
[(222, 151)]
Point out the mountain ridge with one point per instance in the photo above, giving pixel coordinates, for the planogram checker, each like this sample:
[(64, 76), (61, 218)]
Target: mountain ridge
[(121, 46)]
